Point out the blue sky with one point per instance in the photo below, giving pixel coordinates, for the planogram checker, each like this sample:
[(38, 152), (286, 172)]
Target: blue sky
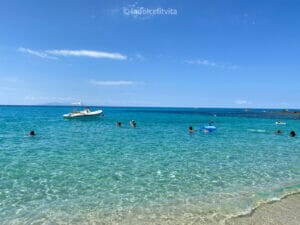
[(124, 53)]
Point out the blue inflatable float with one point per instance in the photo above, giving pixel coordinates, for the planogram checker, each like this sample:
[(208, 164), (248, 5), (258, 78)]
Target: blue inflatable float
[(209, 128)]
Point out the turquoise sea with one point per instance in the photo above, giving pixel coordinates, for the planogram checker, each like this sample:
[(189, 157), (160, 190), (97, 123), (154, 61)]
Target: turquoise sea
[(93, 172)]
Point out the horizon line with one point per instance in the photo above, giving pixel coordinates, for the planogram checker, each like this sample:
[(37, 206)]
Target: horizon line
[(116, 106)]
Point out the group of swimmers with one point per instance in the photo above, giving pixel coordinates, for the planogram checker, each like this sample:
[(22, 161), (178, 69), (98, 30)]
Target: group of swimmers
[(191, 130), (132, 123), (292, 133), (119, 124), (205, 128)]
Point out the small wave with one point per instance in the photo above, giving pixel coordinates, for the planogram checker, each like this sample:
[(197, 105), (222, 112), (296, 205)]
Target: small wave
[(249, 211), (257, 130)]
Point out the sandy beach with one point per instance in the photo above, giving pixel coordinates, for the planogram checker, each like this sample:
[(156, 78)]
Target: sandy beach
[(283, 212)]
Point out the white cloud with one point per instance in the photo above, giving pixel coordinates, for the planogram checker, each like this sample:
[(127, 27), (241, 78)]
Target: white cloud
[(137, 57), (114, 83), (87, 53), (211, 64), (53, 54)]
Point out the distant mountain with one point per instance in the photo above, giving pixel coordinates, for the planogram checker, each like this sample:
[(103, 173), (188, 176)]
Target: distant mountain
[(56, 104)]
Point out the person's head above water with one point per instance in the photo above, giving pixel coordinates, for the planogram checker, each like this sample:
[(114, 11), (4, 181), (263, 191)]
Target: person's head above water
[(31, 133), (292, 133), (279, 132), (133, 123), (192, 130), (119, 123), (211, 123)]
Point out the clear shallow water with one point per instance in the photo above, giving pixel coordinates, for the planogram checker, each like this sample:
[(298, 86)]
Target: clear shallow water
[(89, 171)]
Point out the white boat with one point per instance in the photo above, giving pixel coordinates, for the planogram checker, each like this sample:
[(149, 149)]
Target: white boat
[(280, 123), (84, 113)]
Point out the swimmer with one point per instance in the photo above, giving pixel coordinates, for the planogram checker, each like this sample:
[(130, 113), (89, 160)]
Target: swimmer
[(191, 129), (292, 133), (119, 123), (132, 123), (31, 133), (278, 132)]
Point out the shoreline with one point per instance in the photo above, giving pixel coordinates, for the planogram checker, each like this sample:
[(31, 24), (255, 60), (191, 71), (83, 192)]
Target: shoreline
[(285, 211)]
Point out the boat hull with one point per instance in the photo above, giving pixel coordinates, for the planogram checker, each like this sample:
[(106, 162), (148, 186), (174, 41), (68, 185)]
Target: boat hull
[(83, 114)]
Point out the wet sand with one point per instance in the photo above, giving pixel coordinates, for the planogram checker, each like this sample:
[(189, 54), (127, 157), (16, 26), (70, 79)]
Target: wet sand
[(283, 212)]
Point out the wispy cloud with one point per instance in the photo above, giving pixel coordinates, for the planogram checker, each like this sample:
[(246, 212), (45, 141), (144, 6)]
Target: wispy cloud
[(9, 83), (87, 53), (36, 53), (242, 102), (114, 83), (7, 89), (211, 64), (139, 57), (48, 98), (53, 54)]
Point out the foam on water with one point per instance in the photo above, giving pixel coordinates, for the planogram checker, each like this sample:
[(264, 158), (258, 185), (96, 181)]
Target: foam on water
[(86, 171)]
